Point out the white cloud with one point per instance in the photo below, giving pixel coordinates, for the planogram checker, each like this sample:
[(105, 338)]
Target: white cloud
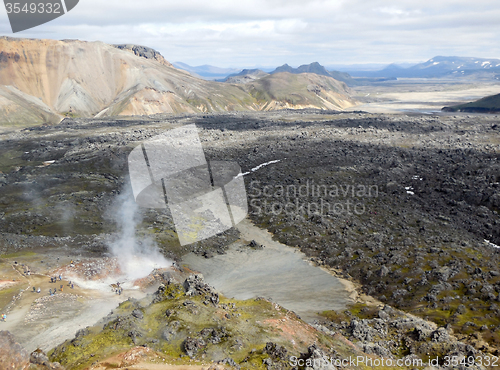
[(393, 11)]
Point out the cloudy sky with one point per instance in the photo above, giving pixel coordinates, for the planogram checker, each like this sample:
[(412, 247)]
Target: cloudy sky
[(273, 32)]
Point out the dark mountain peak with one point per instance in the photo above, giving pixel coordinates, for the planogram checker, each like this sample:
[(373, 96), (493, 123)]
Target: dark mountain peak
[(246, 75), (314, 67), (284, 68), (247, 71), (317, 69)]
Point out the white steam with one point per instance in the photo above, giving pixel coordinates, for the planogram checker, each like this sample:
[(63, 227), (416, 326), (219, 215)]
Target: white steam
[(137, 256)]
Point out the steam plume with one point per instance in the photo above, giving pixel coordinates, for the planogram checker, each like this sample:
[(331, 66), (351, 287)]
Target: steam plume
[(137, 257)]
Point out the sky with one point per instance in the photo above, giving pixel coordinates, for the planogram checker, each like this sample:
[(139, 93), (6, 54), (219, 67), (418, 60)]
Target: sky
[(273, 32)]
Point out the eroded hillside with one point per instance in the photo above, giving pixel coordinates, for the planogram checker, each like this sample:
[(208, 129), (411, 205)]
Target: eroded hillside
[(42, 81)]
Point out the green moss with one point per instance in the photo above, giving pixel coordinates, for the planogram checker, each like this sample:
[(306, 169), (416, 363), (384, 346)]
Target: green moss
[(10, 159), (359, 310), (335, 316), (6, 295), (70, 114), (101, 345), (242, 322), (18, 254)]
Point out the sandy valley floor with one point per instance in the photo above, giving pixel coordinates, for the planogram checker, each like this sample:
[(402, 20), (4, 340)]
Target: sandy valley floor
[(411, 95)]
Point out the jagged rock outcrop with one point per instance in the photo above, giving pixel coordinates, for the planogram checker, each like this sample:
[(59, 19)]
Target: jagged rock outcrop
[(39, 358), (144, 52), (12, 354)]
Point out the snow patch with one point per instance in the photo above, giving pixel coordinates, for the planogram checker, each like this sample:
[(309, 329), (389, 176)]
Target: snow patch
[(258, 167), (491, 244)]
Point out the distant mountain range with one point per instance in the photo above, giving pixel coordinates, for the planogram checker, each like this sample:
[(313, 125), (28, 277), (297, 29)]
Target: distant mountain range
[(364, 67), (305, 68), (248, 75), (42, 81), (489, 104), (439, 67)]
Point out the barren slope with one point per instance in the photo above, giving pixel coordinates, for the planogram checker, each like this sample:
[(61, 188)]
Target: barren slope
[(44, 80), (89, 78), (299, 91), (489, 104)]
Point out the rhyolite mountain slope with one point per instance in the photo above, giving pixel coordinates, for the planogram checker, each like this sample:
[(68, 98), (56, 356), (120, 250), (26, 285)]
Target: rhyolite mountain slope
[(95, 79), (44, 80)]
